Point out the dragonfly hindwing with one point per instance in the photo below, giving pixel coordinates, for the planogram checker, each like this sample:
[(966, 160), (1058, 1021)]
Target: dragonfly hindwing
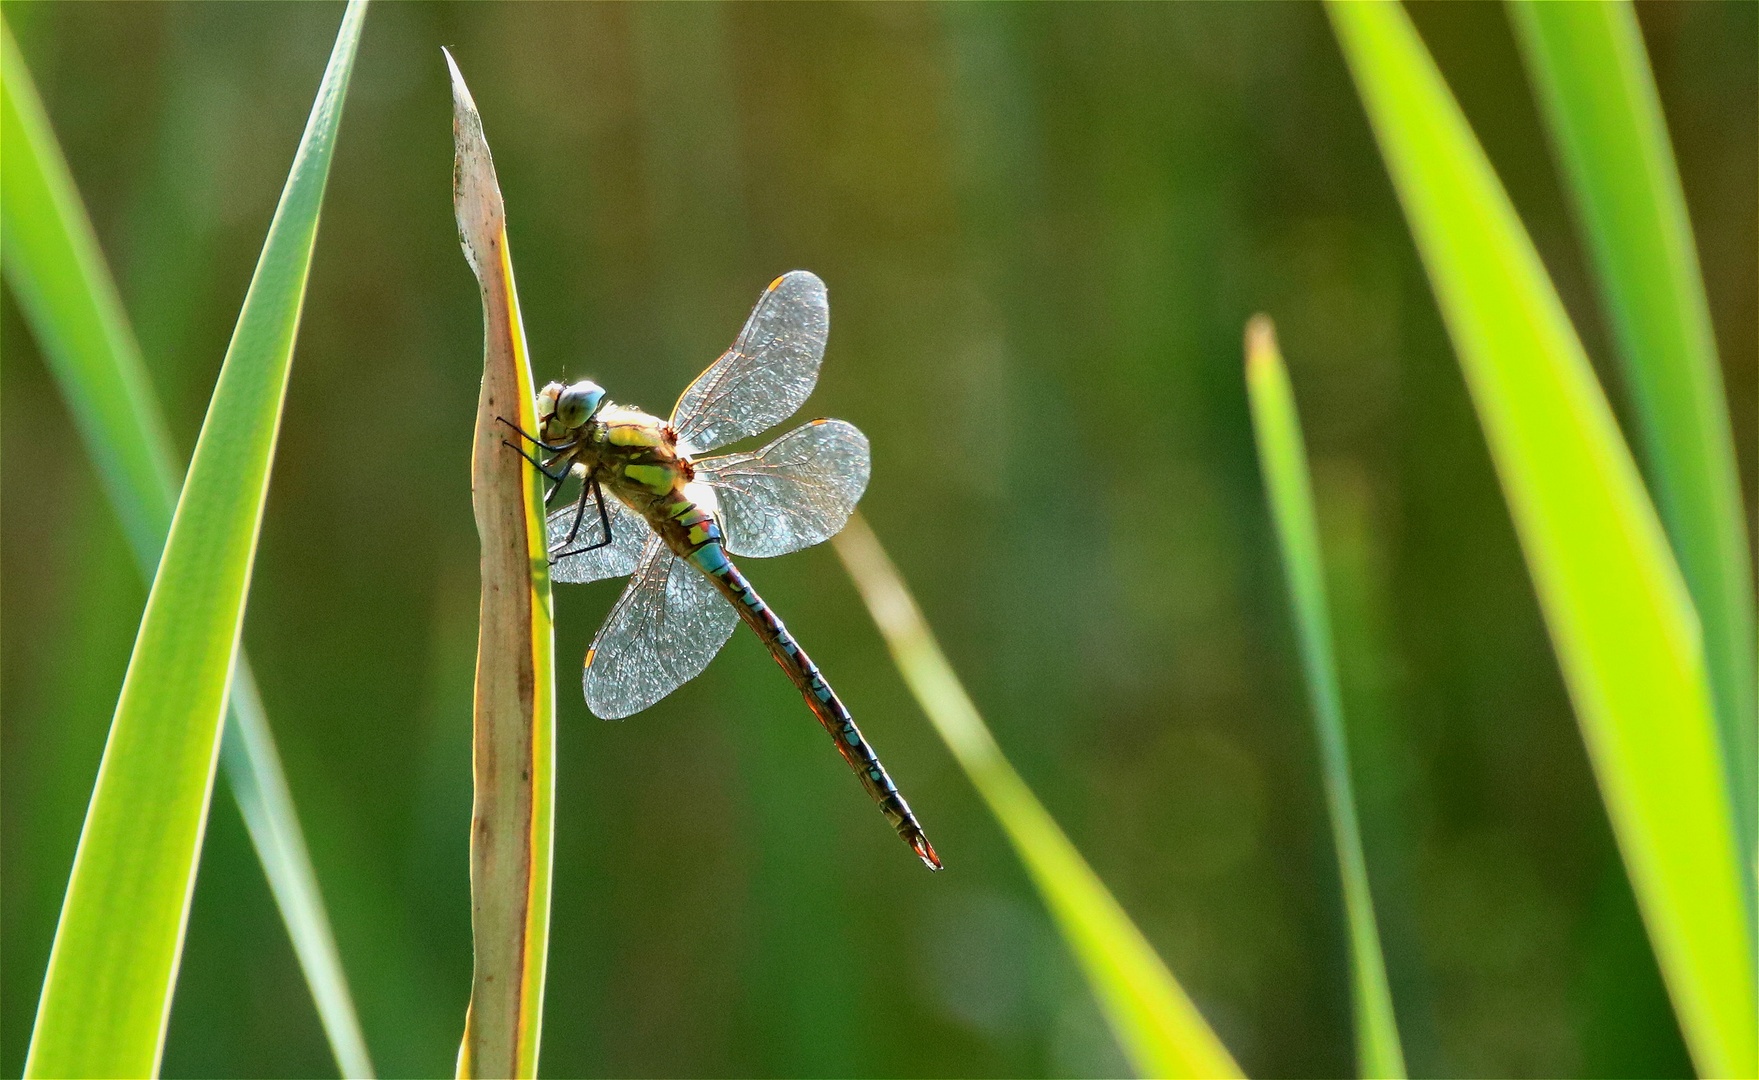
[(669, 623), (796, 492), (616, 559)]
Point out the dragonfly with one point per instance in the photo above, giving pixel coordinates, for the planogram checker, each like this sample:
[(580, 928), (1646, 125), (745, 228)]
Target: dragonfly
[(652, 508)]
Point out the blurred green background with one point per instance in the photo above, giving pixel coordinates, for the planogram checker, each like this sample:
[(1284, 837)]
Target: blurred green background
[(1043, 228)]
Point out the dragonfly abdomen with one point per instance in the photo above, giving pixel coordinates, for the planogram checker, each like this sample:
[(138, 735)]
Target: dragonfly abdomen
[(712, 560)]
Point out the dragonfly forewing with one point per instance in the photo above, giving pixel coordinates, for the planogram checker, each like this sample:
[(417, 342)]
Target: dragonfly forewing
[(768, 373), (668, 624), (796, 492)]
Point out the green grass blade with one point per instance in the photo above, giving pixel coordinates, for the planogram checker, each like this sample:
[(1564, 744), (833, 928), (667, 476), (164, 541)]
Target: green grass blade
[(1620, 619), (107, 992), (1161, 1031), (1283, 459), (67, 294), (1593, 79)]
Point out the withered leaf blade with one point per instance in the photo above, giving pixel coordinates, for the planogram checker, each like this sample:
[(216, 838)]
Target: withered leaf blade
[(512, 752)]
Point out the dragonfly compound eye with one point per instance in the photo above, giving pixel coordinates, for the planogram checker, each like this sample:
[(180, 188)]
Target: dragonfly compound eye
[(575, 405)]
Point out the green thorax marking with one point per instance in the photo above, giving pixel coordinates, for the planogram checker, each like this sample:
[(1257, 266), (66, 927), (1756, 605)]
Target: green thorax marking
[(637, 460)]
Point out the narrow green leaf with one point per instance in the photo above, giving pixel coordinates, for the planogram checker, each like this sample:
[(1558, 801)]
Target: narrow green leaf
[(107, 993), (1592, 74), (512, 829), (1283, 459), (1620, 619), (1161, 1031), (65, 290), (68, 296)]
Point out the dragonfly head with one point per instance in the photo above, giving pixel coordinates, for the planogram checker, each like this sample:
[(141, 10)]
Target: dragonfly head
[(563, 409)]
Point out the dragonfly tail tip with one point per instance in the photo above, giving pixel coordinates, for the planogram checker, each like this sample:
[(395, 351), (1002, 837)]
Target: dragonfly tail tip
[(925, 851)]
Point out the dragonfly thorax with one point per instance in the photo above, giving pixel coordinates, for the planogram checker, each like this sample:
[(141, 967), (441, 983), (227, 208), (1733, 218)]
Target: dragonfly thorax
[(629, 448), (636, 458)]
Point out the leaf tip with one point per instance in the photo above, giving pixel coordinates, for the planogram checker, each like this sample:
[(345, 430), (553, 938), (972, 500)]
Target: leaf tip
[(462, 102), (1261, 346), (476, 194)]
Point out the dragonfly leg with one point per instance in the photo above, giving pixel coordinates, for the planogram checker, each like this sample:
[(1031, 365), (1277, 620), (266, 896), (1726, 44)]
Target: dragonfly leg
[(598, 493), (579, 514), (539, 466), (535, 441)]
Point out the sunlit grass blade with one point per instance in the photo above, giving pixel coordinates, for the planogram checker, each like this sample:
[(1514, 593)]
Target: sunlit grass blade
[(1620, 619), (512, 833), (65, 289), (1282, 457), (107, 992), (1160, 1030), (1592, 74)]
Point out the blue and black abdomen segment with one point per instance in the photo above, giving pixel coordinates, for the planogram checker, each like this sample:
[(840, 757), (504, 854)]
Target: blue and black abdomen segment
[(712, 560)]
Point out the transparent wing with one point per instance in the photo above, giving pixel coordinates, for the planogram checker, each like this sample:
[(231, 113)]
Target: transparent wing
[(669, 623), (794, 493), (768, 373), (629, 531)]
